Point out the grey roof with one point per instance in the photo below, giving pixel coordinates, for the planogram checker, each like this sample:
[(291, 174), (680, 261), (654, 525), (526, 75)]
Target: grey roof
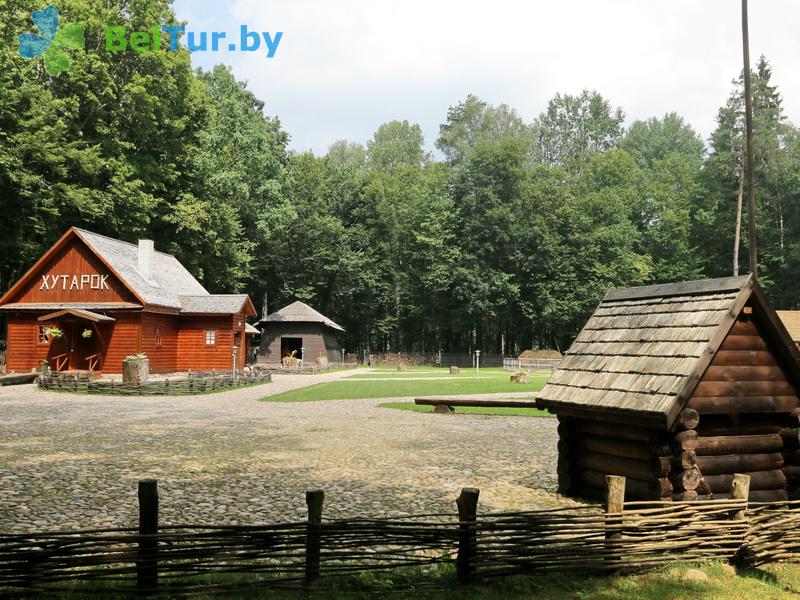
[(638, 351), (225, 304), (299, 312), (170, 278)]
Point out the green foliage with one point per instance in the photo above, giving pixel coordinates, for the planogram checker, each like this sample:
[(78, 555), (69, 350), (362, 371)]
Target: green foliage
[(574, 127)]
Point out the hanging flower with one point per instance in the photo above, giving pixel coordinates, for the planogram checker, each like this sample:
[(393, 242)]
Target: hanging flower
[(87, 333), (54, 332)]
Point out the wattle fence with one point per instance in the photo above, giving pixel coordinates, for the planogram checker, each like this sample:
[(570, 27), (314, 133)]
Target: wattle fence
[(193, 383), (318, 553)]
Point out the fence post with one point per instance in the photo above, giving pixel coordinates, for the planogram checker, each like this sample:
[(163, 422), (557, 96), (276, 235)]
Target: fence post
[(146, 562), (314, 500), (467, 536), (615, 505), (740, 490)]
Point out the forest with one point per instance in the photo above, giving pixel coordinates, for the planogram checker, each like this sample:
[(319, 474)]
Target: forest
[(504, 239)]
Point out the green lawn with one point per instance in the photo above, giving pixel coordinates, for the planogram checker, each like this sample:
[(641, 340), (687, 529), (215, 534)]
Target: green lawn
[(349, 388), (497, 373), (475, 410), (709, 581)]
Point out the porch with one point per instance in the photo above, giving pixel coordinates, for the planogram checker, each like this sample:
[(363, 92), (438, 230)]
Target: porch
[(78, 339)]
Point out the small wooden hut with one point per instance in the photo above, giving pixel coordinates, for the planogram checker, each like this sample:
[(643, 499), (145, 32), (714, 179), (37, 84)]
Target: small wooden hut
[(300, 331), (677, 387)]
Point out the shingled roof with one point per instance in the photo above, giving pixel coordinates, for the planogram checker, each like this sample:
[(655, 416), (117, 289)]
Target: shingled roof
[(170, 278), (299, 312), (224, 304), (644, 349)]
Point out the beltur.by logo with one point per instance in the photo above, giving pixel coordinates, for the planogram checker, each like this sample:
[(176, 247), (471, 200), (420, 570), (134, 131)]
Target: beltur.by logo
[(52, 42), (118, 40)]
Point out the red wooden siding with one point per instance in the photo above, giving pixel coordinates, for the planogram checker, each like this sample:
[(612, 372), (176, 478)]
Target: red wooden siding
[(163, 357), (74, 260), (194, 353), (24, 352)]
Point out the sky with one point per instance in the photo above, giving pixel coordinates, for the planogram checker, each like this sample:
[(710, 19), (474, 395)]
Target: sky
[(343, 67)]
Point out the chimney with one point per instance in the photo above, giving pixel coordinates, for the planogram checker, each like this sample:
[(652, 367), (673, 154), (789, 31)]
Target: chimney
[(146, 259)]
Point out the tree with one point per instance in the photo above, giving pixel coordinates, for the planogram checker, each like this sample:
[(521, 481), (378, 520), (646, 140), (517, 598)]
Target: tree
[(655, 139), (575, 127), (396, 144), (720, 213), (472, 121)]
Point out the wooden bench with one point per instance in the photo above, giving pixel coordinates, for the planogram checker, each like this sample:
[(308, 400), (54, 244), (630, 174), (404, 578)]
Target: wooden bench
[(447, 406)]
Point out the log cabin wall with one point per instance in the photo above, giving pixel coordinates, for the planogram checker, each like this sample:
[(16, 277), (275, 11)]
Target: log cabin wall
[(590, 449), (747, 417)]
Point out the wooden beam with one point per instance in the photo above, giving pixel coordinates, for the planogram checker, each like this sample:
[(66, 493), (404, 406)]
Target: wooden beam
[(743, 358), (735, 463), (731, 405), (734, 444)]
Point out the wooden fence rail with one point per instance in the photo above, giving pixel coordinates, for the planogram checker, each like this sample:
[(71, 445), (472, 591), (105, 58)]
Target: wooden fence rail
[(624, 536)]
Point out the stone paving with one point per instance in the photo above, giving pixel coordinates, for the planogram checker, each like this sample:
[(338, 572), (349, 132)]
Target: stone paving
[(68, 461)]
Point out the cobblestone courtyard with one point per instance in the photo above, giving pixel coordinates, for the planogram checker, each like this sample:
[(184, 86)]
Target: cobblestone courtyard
[(69, 461)]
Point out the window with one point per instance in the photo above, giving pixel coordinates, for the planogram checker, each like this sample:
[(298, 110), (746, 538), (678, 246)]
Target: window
[(157, 336), (211, 337), (43, 335)]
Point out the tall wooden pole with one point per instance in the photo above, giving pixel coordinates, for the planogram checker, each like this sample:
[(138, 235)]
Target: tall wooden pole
[(748, 119)]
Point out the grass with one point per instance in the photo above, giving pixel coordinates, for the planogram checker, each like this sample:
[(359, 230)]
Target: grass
[(474, 410), (708, 581), (348, 389)]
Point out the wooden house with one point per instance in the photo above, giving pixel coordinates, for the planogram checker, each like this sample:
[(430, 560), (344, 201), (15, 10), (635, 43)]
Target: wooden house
[(301, 331), (91, 300), (677, 387)]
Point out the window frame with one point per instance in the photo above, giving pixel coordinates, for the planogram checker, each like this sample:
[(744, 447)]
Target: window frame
[(42, 337), (211, 334)]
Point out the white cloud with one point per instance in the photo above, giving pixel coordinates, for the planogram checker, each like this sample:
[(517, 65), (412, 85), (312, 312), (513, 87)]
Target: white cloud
[(344, 67)]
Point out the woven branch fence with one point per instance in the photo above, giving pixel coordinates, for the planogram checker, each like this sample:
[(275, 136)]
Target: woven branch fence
[(590, 539), (193, 383)]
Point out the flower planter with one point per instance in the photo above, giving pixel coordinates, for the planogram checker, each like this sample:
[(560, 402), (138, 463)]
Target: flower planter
[(135, 371)]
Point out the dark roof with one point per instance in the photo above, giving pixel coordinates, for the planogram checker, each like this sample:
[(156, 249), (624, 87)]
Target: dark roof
[(644, 349), (213, 304), (170, 278), (299, 312)]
